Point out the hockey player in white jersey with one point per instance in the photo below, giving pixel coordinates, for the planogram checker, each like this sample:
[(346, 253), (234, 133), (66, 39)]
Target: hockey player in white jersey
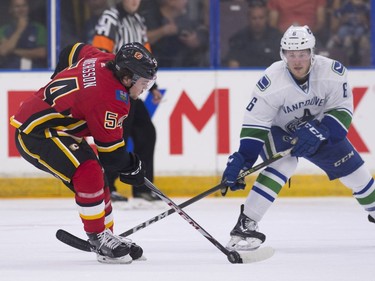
[(305, 98)]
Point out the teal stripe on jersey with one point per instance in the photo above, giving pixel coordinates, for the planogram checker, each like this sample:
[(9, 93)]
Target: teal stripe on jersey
[(342, 116), (268, 149), (254, 133)]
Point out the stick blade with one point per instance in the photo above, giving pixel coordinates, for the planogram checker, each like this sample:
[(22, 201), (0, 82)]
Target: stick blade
[(73, 241), (257, 255)]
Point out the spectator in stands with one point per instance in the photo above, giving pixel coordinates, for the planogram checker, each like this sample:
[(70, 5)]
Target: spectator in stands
[(22, 41), (176, 40), (95, 9), (199, 10), (284, 13), (69, 25), (351, 31), (257, 44)]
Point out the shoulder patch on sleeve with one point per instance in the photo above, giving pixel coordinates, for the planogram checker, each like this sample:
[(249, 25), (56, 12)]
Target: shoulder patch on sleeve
[(263, 83), (338, 68), (122, 96)]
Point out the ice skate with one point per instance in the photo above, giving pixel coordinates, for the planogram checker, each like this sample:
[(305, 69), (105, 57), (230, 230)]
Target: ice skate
[(148, 196), (244, 236), (136, 252), (111, 248), (371, 219), (120, 202), (117, 197), (147, 200)]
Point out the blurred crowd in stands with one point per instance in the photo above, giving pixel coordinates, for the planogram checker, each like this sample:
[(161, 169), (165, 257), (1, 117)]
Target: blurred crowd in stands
[(179, 31), (341, 27)]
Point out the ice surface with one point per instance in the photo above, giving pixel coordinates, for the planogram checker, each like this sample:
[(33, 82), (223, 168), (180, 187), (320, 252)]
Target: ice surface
[(315, 239)]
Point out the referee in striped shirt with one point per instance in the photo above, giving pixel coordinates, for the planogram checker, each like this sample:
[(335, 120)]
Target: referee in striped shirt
[(117, 26)]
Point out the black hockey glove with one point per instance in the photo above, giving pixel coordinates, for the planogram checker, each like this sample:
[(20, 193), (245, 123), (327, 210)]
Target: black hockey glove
[(235, 164), (308, 138), (135, 173)]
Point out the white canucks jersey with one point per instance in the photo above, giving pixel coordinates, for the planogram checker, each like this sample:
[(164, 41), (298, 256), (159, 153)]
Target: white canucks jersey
[(278, 100)]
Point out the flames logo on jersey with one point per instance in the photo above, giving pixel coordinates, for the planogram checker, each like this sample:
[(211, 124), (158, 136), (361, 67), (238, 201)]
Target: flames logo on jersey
[(138, 55)]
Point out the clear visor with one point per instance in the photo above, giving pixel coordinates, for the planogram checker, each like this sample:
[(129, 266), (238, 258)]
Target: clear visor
[(142, 83)]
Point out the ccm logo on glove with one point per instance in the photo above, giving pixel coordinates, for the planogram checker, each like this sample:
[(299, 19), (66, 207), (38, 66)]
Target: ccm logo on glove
[(309, 138), (315, 131)]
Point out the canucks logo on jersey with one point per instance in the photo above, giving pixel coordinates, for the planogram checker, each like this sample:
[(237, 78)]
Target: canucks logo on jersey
[(292, 126), (338, 68), (263, 83)]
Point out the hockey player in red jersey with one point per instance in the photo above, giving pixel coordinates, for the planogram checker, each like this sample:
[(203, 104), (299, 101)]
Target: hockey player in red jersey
[(88, 96)]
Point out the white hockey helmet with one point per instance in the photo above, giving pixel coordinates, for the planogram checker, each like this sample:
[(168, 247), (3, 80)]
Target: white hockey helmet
[(298, 38)]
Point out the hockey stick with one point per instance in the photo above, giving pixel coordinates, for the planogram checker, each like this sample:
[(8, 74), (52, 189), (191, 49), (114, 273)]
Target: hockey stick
[(83, 245), (233, 256), (243, 174)]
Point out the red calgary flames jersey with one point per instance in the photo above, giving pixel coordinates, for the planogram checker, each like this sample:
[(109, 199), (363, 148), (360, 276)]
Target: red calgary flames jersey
[(85, 99)]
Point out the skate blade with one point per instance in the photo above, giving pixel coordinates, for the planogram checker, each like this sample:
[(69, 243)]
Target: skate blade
[(123, 260), (237, 243)]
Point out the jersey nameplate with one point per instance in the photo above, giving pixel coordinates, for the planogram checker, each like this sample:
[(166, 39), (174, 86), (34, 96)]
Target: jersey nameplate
[(263, 83)]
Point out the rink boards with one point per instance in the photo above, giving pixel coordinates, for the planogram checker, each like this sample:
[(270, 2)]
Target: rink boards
[(198, 124), (301, 185)]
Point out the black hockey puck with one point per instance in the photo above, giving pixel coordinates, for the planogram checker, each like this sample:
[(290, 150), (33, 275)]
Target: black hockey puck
[(234, 257)]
